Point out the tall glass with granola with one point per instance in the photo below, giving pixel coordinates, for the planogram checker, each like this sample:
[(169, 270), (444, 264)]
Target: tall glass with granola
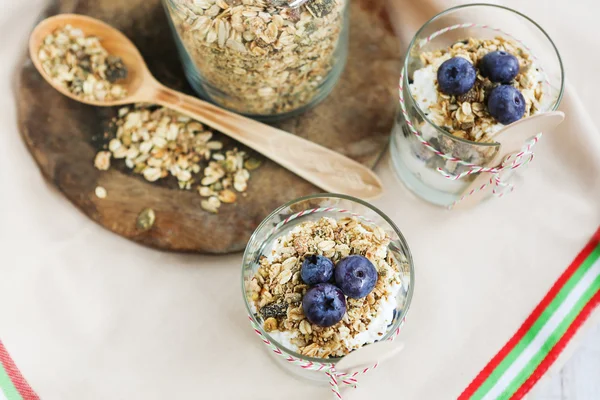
[(261, 58), (325, 275), (469, 72)]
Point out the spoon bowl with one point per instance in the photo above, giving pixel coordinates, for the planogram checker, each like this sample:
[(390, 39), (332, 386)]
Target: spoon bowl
[(113, 41), (319, 165)]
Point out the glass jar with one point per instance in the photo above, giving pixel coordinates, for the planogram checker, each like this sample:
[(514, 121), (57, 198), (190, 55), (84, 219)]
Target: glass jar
[(311, 208), (437, 177), (261, 58)]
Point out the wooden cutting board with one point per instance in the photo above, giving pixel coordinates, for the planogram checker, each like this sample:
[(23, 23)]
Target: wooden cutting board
[(63, 136)]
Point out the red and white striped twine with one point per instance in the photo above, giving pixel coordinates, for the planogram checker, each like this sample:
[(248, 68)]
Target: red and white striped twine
[(523, 157), (336, 378)]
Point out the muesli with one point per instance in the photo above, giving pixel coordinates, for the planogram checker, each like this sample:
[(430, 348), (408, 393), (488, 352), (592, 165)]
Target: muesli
[(358, 294), (471, 90), (467, 115), (157, 142), (260, 56), (82, 65)]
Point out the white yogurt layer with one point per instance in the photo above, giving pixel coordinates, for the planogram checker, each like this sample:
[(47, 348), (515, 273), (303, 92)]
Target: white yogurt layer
[(284, 339), (379, 325), (423, 88)]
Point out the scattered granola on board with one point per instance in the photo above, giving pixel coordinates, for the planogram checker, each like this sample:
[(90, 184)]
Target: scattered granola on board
[(157, 142)]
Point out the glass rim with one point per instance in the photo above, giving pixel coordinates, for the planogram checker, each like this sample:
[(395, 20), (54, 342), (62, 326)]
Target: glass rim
[(448, 11), (401, 238), (176, 6)]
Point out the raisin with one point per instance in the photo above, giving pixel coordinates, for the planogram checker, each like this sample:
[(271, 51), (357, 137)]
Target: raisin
[(470, 97), (115, 69), (274, 310)]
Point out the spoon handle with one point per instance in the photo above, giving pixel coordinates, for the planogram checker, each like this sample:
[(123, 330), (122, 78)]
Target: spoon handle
[(319, 165)]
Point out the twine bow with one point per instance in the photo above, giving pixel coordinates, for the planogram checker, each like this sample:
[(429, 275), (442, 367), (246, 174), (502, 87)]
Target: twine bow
[(513, 161)]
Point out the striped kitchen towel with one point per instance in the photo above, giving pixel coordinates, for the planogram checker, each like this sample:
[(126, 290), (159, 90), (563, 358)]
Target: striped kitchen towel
[(516, 367), (543, 336), (12, 384)]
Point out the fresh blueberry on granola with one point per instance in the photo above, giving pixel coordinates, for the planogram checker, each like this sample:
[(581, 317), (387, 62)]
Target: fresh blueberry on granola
[(356, 276), (506, 104), (316, 269), (499, 66), (456, 76), (324, 305), (467, 116)]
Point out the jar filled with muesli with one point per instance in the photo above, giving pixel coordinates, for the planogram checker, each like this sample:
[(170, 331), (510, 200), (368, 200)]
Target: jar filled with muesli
[(469, 72), (267, 59)]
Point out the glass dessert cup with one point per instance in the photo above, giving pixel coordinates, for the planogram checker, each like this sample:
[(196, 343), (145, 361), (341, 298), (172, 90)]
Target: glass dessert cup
[(282, 221), (270, 77), (417, 164)]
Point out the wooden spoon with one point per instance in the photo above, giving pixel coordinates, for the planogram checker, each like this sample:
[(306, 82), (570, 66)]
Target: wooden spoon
[(322, 167), (511, 139)]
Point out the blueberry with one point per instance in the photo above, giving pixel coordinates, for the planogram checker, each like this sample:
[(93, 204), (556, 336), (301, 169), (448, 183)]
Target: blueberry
[(499, 66), (356, 276), (324, 305), (316, 269), (506, 104), (456, 76)]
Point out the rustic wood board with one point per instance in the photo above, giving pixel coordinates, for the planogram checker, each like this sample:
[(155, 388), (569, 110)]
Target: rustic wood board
[(63, 135)]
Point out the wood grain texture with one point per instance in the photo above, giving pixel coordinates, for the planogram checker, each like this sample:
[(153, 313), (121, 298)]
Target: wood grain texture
[(63, 135)]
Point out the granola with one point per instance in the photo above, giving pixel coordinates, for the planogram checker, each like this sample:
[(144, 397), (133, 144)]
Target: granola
[(145, 219), (157, 142), (466, 116), (100, 192), (260, 56), (82, 65), (276, 290)]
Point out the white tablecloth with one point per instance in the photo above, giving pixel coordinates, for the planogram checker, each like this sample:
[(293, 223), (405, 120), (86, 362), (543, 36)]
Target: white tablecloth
[(88, 315)]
